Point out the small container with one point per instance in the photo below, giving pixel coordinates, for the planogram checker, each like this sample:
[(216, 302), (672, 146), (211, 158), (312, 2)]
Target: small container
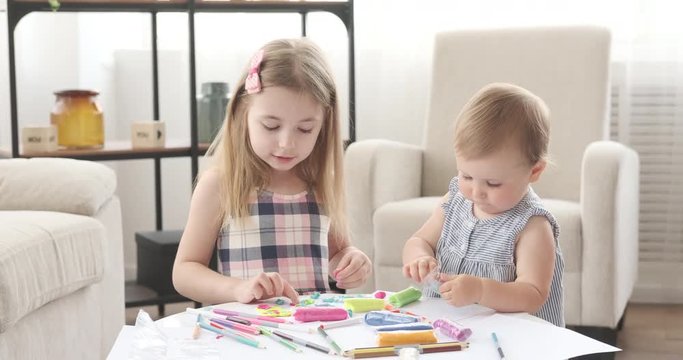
[(78, 118), (211, 107)]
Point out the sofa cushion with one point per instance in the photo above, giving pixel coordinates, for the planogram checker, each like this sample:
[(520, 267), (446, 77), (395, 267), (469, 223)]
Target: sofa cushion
[(45, 256), (82, 187)]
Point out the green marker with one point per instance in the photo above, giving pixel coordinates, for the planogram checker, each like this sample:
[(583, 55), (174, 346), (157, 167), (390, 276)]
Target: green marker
[(329, 340), (292, 346)]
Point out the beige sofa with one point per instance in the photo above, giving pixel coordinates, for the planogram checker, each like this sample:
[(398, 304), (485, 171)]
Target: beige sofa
[(61, 259), (592, 187)]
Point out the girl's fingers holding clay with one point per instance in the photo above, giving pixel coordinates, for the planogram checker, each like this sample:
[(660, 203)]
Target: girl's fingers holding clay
[(289, 292), (423, 269), (266, 283)]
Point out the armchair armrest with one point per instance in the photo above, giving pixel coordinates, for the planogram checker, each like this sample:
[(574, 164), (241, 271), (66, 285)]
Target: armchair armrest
[(378, 172), (609, 212)]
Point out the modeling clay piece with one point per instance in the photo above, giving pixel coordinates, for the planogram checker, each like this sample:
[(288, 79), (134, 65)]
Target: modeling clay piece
[(394, 338), (380, 295), (361, 305), (405, 297), (320, 314), (381, 318), (315, 295), (280, 301), (452, 330), (274, 311)]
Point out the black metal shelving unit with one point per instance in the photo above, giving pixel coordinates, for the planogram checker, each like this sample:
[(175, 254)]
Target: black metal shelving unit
[(17, 9)]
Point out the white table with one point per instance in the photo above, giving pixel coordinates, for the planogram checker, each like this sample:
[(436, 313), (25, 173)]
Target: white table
[(521, 336)]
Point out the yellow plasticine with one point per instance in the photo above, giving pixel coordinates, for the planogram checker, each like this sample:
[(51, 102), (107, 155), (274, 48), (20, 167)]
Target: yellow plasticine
[(393, 338), (274, 311), (360, 305)]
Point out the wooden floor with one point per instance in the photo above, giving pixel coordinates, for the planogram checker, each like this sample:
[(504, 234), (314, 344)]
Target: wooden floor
[(650, 332)]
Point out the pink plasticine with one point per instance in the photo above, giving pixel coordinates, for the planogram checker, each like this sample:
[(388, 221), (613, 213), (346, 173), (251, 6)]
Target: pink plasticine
[(320, 314)]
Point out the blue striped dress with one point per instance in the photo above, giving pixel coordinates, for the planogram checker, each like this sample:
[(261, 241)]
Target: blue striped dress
[(486, 247)]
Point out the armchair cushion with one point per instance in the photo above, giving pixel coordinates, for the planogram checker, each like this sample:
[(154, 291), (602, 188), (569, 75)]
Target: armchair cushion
[(81, 187), (393, 222), (45, 256)]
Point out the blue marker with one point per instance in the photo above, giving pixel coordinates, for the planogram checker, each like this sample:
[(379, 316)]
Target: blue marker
[(495, 341)]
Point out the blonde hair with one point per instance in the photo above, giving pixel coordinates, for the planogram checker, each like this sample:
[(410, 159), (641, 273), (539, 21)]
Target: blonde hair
[(499, 113), (299, 65)]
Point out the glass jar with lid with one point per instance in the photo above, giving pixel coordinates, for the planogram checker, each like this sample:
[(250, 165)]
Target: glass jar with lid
[(78, 118)]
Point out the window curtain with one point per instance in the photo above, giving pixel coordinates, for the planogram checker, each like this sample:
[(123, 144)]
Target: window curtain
[(647, 114)]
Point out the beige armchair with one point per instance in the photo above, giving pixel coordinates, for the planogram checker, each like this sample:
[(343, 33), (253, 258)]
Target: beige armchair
[(592, 188)]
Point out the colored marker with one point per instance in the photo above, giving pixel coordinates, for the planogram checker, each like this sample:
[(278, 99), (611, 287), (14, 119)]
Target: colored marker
[(497, 344), (303, 342), (329, 340), (236, 326), (340, 323), (290, 345)]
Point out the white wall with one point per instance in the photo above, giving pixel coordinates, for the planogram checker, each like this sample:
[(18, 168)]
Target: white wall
[(107, 52)]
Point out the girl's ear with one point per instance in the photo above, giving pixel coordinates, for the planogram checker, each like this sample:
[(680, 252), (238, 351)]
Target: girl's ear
[(537, 170)]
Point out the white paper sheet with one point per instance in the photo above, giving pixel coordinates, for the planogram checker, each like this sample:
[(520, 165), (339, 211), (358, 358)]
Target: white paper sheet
[(528, 339)]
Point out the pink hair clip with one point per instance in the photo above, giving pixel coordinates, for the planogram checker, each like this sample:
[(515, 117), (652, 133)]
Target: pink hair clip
[(253, 82)]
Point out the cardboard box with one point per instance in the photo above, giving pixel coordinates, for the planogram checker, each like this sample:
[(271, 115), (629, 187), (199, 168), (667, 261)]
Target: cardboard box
[(39, 138)]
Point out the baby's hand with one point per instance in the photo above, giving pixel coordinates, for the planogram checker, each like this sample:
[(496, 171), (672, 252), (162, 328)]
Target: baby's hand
[(418, 269), (353, 269), (264, 286), (461, 290)]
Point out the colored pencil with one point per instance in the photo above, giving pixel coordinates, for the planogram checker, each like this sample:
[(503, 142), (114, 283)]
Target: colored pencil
[(360, 353), (303, 342), (271, 324), (233, 335), (329, 340)]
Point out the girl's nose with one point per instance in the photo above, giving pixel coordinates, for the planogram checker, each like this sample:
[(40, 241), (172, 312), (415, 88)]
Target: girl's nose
[(479, 192), (286, 140)]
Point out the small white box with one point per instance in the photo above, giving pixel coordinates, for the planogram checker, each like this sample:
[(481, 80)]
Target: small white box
[(148, 134), (39, 138)]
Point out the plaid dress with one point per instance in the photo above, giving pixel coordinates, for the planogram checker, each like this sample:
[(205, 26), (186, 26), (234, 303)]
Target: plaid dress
[(286, 234)]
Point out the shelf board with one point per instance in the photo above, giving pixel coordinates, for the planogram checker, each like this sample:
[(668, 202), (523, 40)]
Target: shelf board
[(26, 6), (121, 150)]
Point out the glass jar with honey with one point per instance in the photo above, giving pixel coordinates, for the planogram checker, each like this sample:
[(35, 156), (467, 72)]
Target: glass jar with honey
[(78, 118)]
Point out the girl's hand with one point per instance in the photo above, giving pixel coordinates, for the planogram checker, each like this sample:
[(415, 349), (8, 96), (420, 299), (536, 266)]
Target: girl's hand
[(265, 286), (353, 269), (418, 269), (461, 290)]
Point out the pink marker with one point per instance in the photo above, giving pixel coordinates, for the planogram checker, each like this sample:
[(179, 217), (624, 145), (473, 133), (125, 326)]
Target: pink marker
[(247, 315), (236, 326)]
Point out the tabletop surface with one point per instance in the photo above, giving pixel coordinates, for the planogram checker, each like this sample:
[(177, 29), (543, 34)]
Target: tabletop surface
[(520, 334)]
